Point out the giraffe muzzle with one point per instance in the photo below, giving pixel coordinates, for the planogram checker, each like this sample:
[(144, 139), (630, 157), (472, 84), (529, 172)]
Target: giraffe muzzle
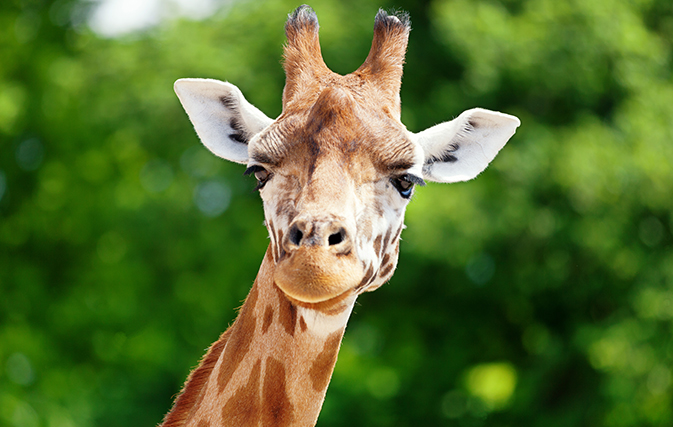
[(319, 262)]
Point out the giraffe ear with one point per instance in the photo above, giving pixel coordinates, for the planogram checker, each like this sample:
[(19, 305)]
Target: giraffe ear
[(460, 149), (222, 117)]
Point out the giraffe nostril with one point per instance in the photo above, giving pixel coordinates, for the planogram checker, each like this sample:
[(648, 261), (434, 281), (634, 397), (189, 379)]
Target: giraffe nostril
[(295, 235), (336, 238), (316, 233)]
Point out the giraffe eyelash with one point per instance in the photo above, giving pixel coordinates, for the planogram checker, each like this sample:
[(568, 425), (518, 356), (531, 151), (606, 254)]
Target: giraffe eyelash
[(262, 175), (414, 179)]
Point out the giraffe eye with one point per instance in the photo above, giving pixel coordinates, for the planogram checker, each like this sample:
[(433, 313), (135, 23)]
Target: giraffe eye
[(262, 175), (403, 186)]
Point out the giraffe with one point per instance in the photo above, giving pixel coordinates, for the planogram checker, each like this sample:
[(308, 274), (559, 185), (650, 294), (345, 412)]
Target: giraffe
[(335, 172)]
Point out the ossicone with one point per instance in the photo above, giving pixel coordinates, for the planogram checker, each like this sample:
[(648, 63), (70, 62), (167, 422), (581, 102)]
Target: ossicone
[(385, 62), (303, 59), (305, 68), (302, 19)]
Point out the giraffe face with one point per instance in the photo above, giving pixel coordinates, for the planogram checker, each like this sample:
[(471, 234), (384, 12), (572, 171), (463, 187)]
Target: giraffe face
[(335, 173), (337, 168)]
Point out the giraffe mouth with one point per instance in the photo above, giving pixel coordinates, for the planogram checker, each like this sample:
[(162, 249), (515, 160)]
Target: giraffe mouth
[(314, 274)]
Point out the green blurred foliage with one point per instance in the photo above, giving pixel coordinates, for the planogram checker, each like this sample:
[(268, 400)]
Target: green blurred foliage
[(540, 294)]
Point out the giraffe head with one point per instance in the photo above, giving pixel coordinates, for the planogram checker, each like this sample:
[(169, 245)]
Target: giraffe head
[(337, 168)]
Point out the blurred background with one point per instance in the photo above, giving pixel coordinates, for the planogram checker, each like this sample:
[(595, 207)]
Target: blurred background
[(539, 294)]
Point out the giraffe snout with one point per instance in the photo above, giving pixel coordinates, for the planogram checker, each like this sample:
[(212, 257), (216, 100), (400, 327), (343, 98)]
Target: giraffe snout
[(331, 234), (319, 260)]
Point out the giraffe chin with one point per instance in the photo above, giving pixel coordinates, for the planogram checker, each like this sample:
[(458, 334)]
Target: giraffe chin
[(314, 274)]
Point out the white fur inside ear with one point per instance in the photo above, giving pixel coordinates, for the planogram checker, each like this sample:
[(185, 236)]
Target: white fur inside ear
[(461, 149), (224, 120)]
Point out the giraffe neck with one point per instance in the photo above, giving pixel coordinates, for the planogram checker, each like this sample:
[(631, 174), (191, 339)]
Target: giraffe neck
[(271, 367)]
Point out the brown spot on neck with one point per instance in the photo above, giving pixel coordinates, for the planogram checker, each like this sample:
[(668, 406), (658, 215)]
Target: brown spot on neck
[(243, 408), (239, 343), (323, 365), (287, 312), (277, 409), (268, 318)]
